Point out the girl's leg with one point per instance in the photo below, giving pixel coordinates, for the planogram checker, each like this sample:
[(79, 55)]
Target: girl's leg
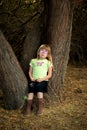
[(29, 103), (30, 96), (40, 95), (40, 103)]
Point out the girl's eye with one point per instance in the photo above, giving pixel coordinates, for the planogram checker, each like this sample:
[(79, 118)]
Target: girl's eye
[(44, 51)]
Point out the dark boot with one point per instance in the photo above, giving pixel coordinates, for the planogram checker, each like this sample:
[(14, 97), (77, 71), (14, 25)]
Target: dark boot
[(28, 107), (40, 106)]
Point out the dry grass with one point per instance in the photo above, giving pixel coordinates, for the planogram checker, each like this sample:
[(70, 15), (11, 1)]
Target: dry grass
[(71, 114)]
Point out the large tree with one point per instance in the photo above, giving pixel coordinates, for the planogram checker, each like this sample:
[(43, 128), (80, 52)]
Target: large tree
[(12, 79), (57, 33), (57, 27)]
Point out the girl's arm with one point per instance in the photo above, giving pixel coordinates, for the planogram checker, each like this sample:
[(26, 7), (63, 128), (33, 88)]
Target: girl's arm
[(49, 75), (30, 74)]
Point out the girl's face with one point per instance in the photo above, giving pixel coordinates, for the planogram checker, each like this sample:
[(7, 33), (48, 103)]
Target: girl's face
[(43, 53)]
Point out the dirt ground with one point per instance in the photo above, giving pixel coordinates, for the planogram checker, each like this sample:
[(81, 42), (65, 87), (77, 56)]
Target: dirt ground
[(71, 114)]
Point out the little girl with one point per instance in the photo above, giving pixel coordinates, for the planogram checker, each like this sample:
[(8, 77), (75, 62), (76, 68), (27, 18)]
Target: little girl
[(40, 72)]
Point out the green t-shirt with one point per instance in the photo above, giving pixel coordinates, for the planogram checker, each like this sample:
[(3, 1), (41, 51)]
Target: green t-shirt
[(40, 67)]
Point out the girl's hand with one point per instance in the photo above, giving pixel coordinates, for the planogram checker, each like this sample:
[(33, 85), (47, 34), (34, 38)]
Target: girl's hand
[(32, 79), (40, 80)]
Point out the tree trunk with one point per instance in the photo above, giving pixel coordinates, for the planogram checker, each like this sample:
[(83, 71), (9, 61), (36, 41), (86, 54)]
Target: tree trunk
[(59, 27), (12, 79), (31, 44)]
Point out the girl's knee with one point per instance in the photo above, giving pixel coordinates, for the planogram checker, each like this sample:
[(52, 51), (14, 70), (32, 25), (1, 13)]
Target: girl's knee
[(30, 96), (40, 94)]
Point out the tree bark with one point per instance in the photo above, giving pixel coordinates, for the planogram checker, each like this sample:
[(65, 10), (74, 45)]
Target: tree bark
[(12, 79), (30, 46), (58, 28)]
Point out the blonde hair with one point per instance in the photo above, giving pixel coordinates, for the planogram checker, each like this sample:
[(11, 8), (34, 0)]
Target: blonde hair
[(46, 47)]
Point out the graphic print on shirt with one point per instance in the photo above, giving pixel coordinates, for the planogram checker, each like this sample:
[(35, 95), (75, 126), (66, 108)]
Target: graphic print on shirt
[(39, 63)]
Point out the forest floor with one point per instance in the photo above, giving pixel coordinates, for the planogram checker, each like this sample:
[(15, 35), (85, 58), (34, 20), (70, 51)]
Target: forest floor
[(71, 114)]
